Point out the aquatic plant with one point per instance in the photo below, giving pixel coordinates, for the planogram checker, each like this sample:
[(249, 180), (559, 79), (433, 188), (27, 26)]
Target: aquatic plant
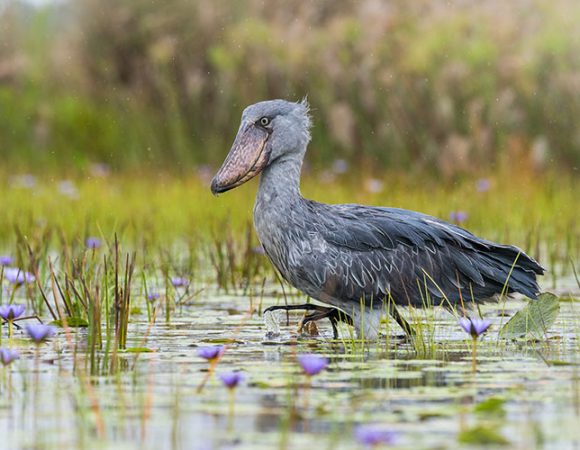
[(179, 282), (212, 354), (483, 185), (152, 296), (122, 278), (458, 216), (312, 364), (534, 319), (482, 436), (9, 313), (373, 435), (93, 243), (6, 260), (231, 380), (475, 328), (8, 356), (40, 333), (18, 276)]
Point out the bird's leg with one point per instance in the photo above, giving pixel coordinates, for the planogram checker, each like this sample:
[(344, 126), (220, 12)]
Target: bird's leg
[(333, 314), (319, 312), (395, 314)]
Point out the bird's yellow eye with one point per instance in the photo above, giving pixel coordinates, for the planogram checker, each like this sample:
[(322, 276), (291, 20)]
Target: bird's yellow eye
[(264, 121)]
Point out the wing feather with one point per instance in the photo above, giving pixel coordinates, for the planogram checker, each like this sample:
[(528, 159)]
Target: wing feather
[(372, 252)]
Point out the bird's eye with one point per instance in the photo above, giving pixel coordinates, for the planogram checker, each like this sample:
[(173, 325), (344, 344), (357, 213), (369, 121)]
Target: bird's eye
[(265, 121)]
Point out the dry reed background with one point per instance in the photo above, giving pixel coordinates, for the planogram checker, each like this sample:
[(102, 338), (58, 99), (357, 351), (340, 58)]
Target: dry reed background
[(435, 87)]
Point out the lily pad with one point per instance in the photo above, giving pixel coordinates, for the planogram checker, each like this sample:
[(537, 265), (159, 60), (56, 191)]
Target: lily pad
[(482, 435), (534, 319), (73, 322), (493, 406), (139, 350)]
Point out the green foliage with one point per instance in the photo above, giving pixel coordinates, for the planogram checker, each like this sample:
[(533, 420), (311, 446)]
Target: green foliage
[(398, 84), (493, 406), (482, 435), (138, 350), (535, 319), (73, 322)]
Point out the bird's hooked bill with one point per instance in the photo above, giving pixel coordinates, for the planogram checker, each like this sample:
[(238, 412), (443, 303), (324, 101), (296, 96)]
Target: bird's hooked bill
[(248, 156)]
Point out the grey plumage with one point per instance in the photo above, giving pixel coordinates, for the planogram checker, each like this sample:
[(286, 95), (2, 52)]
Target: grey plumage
[(359, 258)]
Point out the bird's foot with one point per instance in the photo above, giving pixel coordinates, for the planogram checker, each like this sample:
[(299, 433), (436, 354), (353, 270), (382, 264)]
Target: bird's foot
[(333, 314), (318, 312)]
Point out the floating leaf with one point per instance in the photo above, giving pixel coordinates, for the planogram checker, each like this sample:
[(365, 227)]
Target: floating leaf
[(534, 319), (73, 322), (223, 341), (482, 435), (558, 362), (139, 350), (493, 406)]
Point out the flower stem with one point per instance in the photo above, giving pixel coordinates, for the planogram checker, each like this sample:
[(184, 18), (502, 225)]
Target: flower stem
[(307, 392), (231, 398), (474, 355), (208, 375), (307, 387)]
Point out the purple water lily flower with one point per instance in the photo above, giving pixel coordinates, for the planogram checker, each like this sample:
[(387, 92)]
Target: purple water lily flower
[(93, 243), (371, 435), (482, 185), (374, 186), (211, 353), (18, 276), (340, 166), (152, 296), (474, 327), (40, 332), (312, 364), (11, 312), (68, 188), (179, 282), (100, 170), (6, 260), (458, 216), (25, 181), (232, 379), (7, 356)]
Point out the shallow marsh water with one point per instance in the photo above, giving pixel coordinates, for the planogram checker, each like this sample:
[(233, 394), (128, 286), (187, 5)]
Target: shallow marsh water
[(527, 393)]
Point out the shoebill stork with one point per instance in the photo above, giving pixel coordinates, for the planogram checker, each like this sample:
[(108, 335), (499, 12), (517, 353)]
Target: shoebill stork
[(360, 260)]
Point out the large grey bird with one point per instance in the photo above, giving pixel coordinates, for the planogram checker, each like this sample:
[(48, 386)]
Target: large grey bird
[(363, 260)]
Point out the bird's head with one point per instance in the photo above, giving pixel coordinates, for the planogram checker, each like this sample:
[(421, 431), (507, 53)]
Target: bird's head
[(270, 131)]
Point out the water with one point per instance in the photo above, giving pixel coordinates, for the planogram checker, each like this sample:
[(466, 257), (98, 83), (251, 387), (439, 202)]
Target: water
[(427, 397)]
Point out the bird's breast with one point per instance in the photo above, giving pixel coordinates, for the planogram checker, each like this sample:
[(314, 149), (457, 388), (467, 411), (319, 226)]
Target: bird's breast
[(284, 237)]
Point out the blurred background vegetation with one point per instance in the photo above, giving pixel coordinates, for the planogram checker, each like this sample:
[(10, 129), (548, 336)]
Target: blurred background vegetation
[(429, 87)]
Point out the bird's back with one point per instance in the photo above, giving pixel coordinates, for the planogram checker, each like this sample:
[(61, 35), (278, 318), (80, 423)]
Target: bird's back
[(341, 254)]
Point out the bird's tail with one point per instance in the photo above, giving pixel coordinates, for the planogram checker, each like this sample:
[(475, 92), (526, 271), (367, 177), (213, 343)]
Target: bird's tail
[(510, 267)]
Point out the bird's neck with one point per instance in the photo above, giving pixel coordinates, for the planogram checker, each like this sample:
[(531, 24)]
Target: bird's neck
[(280, 182)]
